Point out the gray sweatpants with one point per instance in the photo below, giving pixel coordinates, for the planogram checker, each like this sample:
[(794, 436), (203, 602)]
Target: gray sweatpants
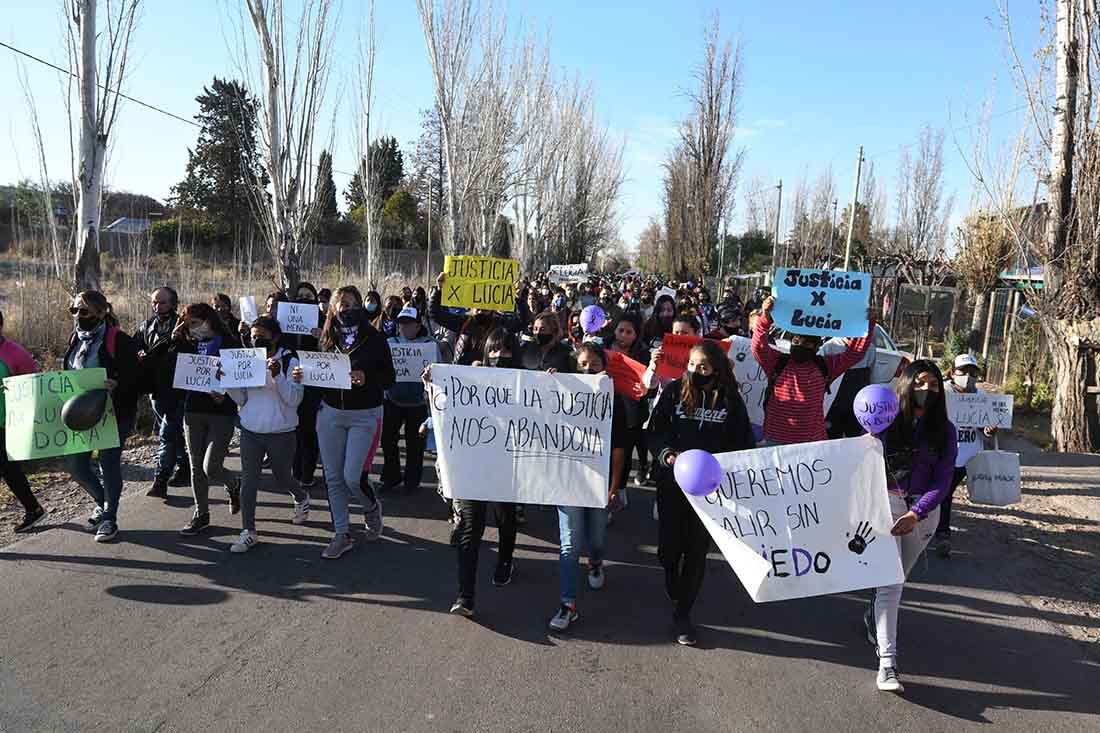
[(208, 437), (280, 447)]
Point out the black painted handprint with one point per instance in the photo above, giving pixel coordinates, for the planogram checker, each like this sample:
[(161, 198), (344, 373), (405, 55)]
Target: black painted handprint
[(859, 542)]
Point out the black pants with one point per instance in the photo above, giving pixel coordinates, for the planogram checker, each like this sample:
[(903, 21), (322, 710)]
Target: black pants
[(945, 507), (682, 541), (15, 478), (635, 439), (306, 448), (842, 420), (394, 418), (471, 526)]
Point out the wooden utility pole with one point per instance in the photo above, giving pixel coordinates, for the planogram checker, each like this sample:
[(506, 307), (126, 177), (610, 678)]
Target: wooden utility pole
[(775, 239), (852, 211)]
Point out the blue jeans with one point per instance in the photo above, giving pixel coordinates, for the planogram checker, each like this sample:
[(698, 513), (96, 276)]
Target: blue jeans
[(172, 450), (107, 492), (575, 525), (348, 441)]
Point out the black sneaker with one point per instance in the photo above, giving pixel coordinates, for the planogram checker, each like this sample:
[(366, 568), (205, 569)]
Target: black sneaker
[(685, 631), (181, 478), (463, 607), (942, 541), (159, 489), (234, 490), (30, 519), (198, 524), (503, 575)]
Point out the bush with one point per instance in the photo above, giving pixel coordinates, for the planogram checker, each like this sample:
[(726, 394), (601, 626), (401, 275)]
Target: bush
[(198, 229)]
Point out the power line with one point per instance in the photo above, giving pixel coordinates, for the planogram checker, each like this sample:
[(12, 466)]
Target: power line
[(127, 97)]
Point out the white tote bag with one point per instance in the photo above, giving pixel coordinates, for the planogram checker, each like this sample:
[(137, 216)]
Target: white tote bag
[(993, 477)]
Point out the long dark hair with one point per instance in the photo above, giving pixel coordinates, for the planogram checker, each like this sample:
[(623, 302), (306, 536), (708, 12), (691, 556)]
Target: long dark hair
[(204, 312), (724, 382), (637, 350), (98, 300), (329, 337), (934, 419), (653, 327)]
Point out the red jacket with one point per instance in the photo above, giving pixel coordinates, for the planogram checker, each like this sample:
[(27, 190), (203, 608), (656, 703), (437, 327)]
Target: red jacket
[(795, 413)]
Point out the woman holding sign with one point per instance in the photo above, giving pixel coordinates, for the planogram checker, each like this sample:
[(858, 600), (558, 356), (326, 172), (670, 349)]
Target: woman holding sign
[(920, 445), (98, 342), (349, 423), (405, 409), (208, 418), (702, 410)]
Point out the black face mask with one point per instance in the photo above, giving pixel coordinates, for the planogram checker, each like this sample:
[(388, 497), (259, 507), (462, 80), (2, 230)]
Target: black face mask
[(701, 380), (310, 301), (925, 398), (267, 344), (348, 317), (666, 321), (578, 332), (544, 338), (499, 361), (800, 353), (87, 324)]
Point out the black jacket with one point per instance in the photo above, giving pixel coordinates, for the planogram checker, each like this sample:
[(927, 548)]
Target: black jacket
[(716, 428), (370, 354), (471, 331), (200, 402), (155, 376), (559, 357), (122, 366)]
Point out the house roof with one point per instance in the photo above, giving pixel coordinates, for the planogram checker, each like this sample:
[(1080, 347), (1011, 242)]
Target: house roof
[(127, 225)]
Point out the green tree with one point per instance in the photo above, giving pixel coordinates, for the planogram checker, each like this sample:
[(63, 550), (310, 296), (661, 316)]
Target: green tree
[(223, 169), (326, 189), (388, 168)]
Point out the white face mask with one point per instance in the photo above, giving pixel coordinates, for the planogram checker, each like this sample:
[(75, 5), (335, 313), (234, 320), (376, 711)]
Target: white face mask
[(964, 382)]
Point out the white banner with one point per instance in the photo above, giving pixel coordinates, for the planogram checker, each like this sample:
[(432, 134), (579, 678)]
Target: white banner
[(243, 368), (409, 360), (753, 382), (561, 274), (325, 369), (298, 318), (665, 291), (197, 373), (248, 309), (801, 520), (979, 409), (517, 436)]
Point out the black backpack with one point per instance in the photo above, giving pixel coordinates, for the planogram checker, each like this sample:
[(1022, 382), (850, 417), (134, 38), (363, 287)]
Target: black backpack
[(781, 364)]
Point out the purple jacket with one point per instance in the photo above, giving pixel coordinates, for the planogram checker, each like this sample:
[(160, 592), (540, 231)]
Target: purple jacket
[(930, 474)]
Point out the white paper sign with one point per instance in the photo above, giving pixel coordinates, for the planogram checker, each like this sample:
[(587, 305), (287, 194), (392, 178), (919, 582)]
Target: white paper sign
[(409, 360), (197, 373), (248, 309), (665, 291), (752, 381), (243, 368), (979, 409), (521, 436), (325, 369), (298, 318), (561, 274), (803, 520)]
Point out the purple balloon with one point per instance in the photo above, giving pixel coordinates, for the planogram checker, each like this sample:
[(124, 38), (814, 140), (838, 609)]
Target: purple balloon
[(875, 408), (697, 472), (593, 318)]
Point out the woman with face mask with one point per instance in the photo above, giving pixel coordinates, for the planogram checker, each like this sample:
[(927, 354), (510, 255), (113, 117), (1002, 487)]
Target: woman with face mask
[(471, 515), (546, 351), (472, 329), (372, 306), (702, 410), (660, 322), (306, 447), (386, 322), (587, 526), (920, 446), (97, 342), (964, 380), (627, 340), (349, 423), (208, 419), (794, 404), (406, 409), (268, 416)]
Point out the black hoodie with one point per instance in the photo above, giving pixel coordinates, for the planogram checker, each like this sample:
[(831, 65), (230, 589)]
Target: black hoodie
[(369, 354), (718, 429)]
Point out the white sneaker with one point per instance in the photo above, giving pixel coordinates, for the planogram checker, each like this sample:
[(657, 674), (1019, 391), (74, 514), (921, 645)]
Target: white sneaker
[(301, 512), (595, 576), (245, 542), (888, 680), (565, 616)]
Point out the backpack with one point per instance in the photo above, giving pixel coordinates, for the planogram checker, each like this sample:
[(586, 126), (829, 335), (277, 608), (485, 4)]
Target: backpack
[(781, 364)]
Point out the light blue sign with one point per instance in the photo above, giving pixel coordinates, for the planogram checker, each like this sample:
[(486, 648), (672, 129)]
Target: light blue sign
[(822, 303)]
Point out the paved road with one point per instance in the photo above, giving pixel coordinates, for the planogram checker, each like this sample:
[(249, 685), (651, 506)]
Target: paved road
[(160, 632)]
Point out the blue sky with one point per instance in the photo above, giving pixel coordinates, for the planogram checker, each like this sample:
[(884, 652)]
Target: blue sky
[(819, 79)]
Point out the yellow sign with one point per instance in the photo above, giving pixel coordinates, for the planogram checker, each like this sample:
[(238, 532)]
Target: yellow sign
[(485, 283)]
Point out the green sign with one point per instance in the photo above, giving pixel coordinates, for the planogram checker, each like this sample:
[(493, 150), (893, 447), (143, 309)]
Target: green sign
[(33, 423)]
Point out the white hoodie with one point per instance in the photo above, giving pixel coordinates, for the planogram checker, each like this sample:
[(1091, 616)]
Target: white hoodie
[(272, 408)]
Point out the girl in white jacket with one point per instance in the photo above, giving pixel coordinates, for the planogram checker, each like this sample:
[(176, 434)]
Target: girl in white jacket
[(268, 418)]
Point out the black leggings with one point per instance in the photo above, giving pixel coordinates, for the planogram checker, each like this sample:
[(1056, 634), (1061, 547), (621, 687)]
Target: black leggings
[(945, 507), (683, 541), (635, 438), (15, 478), (471, 527)]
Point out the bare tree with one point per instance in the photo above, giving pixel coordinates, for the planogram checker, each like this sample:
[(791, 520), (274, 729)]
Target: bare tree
[(98, 78), (369, 179), (294, 69)]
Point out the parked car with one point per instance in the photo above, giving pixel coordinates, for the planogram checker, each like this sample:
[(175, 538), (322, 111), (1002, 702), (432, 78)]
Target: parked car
[(890, 361)]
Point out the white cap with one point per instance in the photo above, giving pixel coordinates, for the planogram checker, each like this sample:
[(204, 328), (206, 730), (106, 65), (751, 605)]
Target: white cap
[(965, 360), (408, 312)]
